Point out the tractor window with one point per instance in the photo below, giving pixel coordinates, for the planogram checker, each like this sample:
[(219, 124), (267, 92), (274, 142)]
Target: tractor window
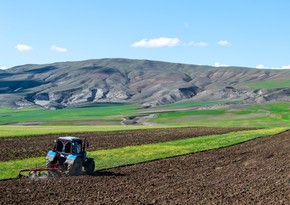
[(59, 146), (79, 148), (67, 148)]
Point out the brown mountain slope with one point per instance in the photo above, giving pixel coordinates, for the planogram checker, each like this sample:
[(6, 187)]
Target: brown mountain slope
[(146, 82)]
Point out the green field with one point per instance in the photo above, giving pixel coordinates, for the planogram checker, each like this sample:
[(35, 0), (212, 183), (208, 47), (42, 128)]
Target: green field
[(262, 115), (106, 117), (103, 114), (142, 153), (16, 131)]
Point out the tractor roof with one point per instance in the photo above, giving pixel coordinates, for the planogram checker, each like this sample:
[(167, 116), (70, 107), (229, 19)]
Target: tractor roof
[(69, 138)]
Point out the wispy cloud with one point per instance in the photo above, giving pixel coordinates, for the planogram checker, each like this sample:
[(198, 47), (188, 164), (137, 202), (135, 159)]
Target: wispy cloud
[(197, 44), (218, 64), (157, 42), (223, 43), (58, 49), (23, 47)]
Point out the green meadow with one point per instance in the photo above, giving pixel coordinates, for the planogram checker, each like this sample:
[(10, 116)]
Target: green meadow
[(104, 114), (142, 153)]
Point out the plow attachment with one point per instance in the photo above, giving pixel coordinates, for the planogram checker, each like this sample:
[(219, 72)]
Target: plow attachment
[(40, 172)]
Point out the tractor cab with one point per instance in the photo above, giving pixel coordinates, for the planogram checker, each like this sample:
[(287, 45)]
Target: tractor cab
[(68, 145)]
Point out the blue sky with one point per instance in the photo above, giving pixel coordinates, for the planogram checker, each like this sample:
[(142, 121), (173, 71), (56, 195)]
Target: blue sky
[(251, 33)]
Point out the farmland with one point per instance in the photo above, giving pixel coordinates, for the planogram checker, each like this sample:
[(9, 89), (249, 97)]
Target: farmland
[(106, 117), (247, 173), (102, 114), (170, 161), (27, 149), (260, 115)]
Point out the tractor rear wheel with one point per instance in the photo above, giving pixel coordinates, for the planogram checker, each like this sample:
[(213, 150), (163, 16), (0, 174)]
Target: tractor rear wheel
[(90, 166), (75, 169)]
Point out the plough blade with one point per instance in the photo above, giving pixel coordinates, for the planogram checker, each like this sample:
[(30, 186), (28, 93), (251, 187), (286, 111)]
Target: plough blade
[(36, 172)]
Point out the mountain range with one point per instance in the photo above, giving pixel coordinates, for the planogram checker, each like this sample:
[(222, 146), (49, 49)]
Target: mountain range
[(145, 82)]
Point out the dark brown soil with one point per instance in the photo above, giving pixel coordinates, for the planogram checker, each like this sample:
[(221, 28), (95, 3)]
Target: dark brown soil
[(24, 147), (254, 172)]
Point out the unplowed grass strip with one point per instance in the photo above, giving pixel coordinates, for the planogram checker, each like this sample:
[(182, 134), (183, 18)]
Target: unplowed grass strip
[(142, 153), (135, 154)]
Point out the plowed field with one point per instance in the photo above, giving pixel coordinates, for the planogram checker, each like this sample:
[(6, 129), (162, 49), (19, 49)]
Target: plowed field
[(24, 147), (254, 172)]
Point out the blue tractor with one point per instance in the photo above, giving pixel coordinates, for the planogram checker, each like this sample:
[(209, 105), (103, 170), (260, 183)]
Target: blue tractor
[(69, 156)]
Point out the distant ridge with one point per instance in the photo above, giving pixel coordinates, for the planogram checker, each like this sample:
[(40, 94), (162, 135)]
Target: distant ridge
[(145, 82)]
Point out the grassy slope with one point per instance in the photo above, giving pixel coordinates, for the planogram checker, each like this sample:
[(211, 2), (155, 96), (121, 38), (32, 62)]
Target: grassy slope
[(269, 84), (142, 153)]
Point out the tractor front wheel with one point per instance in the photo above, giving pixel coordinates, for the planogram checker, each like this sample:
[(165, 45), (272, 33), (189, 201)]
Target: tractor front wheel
[(75, 169)]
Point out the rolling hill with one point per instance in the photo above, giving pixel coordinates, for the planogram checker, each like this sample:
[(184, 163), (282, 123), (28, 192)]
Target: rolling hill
[(145, 82)]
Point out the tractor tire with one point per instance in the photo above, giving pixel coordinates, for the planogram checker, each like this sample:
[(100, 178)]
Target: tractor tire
[(90, 166), (75, 169)]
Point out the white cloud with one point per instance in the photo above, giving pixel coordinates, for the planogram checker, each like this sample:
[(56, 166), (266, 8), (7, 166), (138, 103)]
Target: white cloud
[(260, 66), (157, 42), (218, 64), (223, 43), (23, 47), (286, 67), (58, 49), (197, 44), (3, 68)]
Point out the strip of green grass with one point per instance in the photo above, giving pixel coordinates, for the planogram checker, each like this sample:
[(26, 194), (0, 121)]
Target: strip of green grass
[(16, 131), (142, 153), (136, 154)]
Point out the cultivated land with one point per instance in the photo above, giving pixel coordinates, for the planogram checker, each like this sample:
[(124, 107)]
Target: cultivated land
[(24, 147), (254, 172), (132, 154)]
